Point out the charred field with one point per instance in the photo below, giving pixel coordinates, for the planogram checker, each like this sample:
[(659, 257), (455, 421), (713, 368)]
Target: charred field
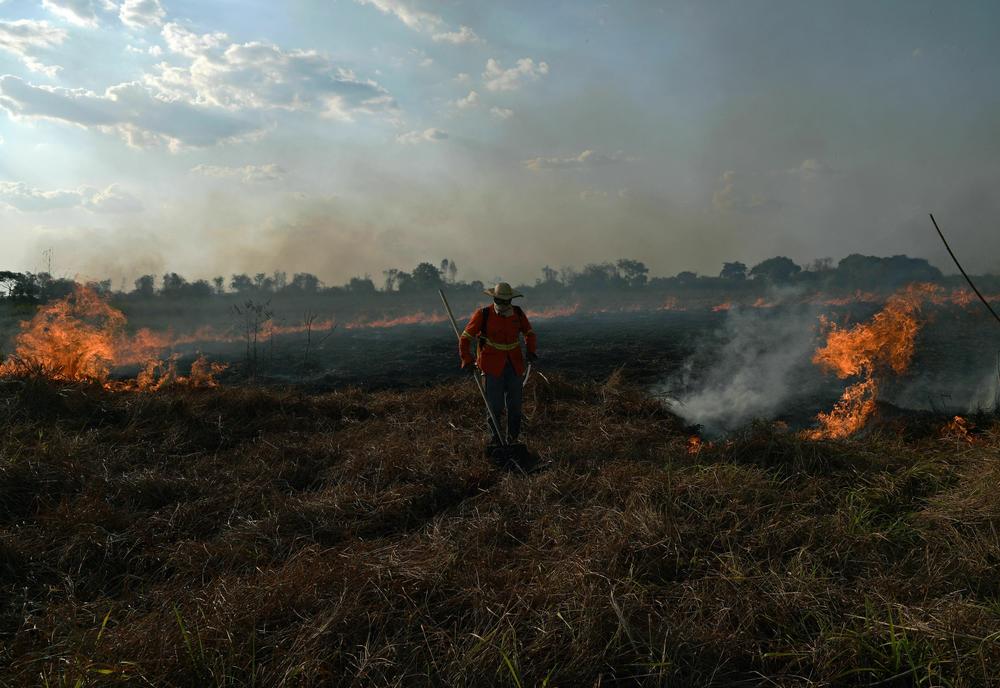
[(246, 536)]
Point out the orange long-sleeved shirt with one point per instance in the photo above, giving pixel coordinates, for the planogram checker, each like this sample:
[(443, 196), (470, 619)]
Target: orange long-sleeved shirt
[(502, 340)]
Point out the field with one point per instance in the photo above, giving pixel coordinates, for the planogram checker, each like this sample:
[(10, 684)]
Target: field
[(331, 520)]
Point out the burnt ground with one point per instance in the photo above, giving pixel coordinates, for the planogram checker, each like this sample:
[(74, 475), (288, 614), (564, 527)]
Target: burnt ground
[(953, 370)]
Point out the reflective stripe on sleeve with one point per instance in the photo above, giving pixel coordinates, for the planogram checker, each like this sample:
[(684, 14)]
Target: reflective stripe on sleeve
[(466, 334)]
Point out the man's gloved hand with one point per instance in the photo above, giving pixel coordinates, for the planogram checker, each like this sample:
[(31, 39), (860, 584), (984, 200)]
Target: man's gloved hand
[(532, 357)]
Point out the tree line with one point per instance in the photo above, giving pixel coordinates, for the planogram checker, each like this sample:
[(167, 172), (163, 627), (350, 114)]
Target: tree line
[(853, 272)]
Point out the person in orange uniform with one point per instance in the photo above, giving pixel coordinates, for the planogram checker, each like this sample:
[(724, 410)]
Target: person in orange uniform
[(498, 328)]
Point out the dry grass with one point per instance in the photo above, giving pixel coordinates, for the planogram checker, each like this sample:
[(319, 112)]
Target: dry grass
[(242, 537)]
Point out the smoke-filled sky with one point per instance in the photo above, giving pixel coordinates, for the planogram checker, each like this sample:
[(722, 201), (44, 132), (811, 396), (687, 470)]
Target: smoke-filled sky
[(344, 137)]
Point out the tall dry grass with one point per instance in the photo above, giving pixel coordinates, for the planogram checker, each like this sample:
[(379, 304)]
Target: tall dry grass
[(242, 537)]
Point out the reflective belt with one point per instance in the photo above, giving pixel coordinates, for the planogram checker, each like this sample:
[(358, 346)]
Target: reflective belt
[(502, 347)]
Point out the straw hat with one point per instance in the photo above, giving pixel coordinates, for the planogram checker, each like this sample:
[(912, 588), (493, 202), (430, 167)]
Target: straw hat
[(502, 291)]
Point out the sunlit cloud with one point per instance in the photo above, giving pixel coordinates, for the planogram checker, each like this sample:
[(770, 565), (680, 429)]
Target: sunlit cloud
[(432, 135), (463, 36), (586, 159), (496, 78), (80, 12), (130, 110), (424, 22), (24, 38), (24, 198), (141, 14), (260, 76)]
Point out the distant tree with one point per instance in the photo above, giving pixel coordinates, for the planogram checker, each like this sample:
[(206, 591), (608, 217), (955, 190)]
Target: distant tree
[(145, 286), (597, 276), (305, 282), (476, 285), (634, 272), (103, 287), (173, 285), (426, 276), (861, 271), (820, 265), (48, 289), (734, 271), (362, 286), (404, 281), (390, 278), (7, 280), (279, 280), (220, 284), (241, 284), (26, 287), (686, 278), (452, 271), (262, 282), (200, 289), (777, 270), (550, 276)]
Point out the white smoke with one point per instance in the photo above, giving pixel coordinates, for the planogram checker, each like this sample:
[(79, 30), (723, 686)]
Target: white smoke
[(757, 364)]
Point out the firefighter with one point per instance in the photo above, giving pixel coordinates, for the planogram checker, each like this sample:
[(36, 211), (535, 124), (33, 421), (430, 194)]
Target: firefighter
[(497, 328)]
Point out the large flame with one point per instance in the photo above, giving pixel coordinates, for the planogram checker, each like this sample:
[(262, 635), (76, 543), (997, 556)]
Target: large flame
[(81, 338), (868, 350)]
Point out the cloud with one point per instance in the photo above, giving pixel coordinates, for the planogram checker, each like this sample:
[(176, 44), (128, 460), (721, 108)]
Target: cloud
[(463, 36), (261, 76), (468, 102), (248, 174), (462, 78), (79, 12), (424, 22), (141, 14), (25, 37), (496, 78), (415, 19), (420, 136), (731, 197), (586, 159), (501, 112), (113, 199), (130, 110)]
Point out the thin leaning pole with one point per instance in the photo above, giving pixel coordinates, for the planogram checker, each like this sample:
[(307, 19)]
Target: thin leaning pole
[(962, 270), (475, 377)]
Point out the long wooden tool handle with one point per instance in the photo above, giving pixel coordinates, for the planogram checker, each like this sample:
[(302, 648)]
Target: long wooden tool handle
[(475, 377), (959, 265)]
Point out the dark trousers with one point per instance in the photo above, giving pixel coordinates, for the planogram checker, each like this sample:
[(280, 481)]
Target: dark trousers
[(504, 391)]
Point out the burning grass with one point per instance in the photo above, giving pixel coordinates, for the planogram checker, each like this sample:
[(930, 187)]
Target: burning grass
[(235, 536)]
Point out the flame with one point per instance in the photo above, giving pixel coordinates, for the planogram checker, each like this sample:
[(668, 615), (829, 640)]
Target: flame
[(725, 306), (554, 312), (81, 338), (958, 429), (761, 302), (857, 297), (671, 304), (884, 343), (694, 444)]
